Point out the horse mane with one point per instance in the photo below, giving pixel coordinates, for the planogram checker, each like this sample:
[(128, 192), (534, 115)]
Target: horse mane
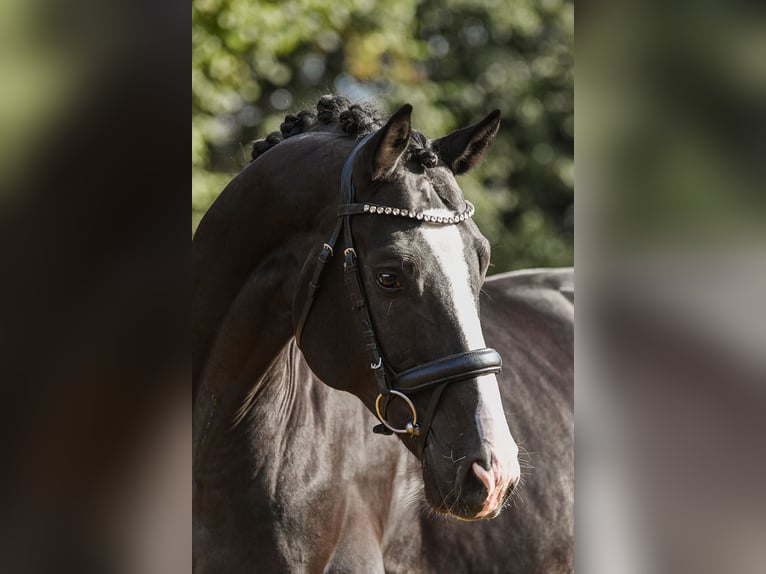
[(334, 111)]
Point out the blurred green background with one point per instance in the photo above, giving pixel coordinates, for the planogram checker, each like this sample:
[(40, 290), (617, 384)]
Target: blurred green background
[(455, 61)]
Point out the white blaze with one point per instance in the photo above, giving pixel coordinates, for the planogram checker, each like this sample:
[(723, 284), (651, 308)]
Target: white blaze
[(447, 247)]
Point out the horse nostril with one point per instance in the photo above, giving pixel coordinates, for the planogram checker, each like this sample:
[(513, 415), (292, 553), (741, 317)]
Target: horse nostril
[(486, 477), (473, 489)]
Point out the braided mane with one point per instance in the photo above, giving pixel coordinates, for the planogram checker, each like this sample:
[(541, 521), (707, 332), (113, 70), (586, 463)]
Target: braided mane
[(336, 111)]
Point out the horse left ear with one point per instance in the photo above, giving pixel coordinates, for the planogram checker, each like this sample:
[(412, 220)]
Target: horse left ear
[(463, 149), (384, 150)]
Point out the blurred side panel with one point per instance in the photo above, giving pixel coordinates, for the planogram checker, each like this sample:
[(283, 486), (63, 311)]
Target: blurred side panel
[(93, 279), (670, 253)]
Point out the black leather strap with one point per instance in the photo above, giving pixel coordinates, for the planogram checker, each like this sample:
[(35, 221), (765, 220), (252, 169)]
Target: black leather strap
[(353, 277), (449, 370), (346, 196), (346, 209), (425, 425), (355, 289), (314, 284)]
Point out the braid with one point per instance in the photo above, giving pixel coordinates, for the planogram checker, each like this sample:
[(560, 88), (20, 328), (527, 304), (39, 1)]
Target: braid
[(294, 125), (354, 119), (262, 146), (329, 108), (360, 119)]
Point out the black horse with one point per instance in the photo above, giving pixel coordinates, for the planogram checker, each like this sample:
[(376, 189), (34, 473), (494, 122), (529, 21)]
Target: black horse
[(342, 270)]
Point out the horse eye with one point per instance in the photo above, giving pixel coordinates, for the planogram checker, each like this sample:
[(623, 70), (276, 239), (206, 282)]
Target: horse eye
[(388, 280)]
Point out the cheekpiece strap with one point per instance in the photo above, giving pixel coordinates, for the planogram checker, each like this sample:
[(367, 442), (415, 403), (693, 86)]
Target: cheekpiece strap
[(353, 278), (328, 248)]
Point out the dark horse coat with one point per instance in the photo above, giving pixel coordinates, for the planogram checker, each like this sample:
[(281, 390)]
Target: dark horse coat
[(287, 475)]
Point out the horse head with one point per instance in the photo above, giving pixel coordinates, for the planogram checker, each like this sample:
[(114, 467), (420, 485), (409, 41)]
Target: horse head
[(400, 329)]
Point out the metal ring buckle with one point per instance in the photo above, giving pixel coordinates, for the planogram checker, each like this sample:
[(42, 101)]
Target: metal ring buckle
[(349, 250), (376, 366), (411, 427), (327, 246)]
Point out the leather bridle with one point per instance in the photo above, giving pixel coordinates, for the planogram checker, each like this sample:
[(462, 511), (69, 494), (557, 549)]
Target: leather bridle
[(435, 374)]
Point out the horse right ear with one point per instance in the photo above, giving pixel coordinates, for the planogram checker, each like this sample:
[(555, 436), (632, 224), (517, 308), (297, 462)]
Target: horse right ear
[(462, 150), (383, 151)]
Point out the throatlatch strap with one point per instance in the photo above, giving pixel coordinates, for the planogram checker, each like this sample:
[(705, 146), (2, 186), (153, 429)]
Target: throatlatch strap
[(314, 284)]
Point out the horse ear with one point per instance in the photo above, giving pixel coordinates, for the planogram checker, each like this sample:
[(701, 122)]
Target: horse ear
[(385, 148), (463, 149)]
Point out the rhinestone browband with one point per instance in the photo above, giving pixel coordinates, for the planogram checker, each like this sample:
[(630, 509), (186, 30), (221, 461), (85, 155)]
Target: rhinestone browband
[(420, 216)]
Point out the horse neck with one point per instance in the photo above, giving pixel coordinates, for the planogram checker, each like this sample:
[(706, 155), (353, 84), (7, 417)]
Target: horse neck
[(254, 240), (248, 253), (252, 335), (234, 452)]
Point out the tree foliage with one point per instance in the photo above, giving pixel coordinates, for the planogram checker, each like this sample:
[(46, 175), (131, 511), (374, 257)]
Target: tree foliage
[(454, 60)]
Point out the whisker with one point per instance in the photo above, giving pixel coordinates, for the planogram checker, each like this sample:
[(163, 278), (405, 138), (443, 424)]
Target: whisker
[(487, 295), (452, 457)]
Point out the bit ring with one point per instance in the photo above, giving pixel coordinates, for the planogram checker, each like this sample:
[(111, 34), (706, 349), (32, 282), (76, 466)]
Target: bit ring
[(411, 428)]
